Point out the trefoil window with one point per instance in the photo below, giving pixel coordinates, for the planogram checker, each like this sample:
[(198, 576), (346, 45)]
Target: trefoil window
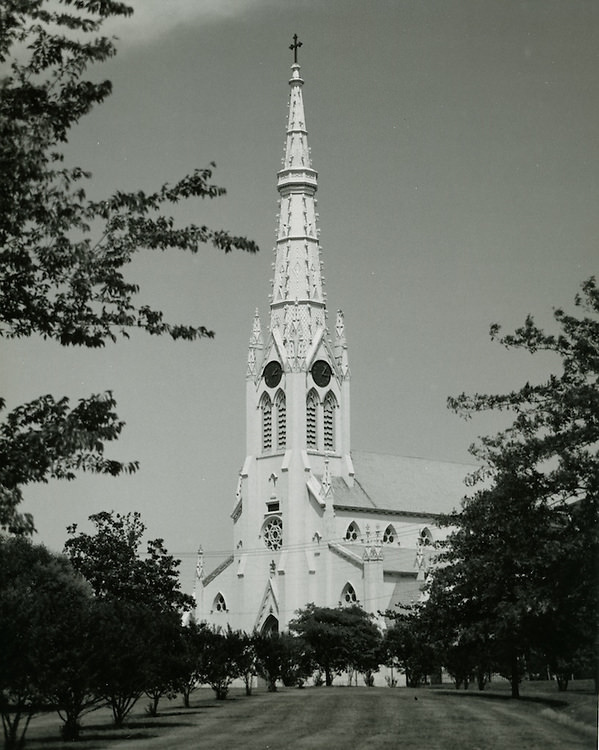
[(348, 595)]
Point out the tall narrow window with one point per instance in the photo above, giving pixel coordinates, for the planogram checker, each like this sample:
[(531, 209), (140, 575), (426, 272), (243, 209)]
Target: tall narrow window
[(311, 408), (266, 407), (348, 595), (329, 422), (280, 406)]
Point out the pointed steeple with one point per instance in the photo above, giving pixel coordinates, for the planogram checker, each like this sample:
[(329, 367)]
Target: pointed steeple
[(298, 300)]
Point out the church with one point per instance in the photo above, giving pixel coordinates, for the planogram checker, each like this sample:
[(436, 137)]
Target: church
[(314, 521)]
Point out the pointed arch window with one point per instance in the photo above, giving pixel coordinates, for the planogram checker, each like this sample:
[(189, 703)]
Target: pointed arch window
[(281, 412), (353, 532), (219, 604), (329, 406), (348, 595), (389, 535), (266, 408), (425, 538), (311, 411)]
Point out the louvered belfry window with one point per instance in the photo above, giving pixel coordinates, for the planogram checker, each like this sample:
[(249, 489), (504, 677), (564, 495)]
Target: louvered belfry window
[(281, 407), (266, 407), (329, 422), (311, 407)]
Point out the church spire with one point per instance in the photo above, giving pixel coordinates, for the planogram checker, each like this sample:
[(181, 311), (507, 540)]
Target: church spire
[(298, 300)]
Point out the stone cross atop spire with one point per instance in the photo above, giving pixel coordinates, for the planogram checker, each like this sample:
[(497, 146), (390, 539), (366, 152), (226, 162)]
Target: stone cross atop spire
[(298, 299)]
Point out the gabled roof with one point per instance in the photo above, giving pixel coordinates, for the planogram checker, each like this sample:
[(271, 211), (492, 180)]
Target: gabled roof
[(401, 484)]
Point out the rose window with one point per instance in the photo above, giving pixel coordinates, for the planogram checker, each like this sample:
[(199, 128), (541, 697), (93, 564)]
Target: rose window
[(273, 533)]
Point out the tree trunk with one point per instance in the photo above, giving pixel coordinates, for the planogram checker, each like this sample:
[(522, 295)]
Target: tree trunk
[(328, 677), (71, 729), (515, 677), (481, 679)]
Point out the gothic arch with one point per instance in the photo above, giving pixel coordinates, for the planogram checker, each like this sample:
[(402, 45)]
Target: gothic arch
[(312, 403), (348, 595), (266, 409), (330, 421), (352, 533), (271, 625), (219, 604), (280, 406), (390, 535), (425, 537)]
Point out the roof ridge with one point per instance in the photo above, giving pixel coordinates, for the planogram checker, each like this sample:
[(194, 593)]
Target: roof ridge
[(414, 458)]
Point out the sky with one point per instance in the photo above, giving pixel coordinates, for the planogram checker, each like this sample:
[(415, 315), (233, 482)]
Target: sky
[(457, 150)]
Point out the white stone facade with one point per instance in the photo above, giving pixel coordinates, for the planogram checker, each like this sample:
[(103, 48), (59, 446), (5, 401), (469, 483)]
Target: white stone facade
[(312, 520)]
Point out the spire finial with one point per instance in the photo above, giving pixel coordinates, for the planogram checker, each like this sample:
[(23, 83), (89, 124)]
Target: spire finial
[(295, 46)]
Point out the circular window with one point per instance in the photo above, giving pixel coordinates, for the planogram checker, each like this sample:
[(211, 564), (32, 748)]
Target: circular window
[(273, 533)]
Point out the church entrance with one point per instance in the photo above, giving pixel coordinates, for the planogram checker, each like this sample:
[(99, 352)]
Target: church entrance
[(271, 625)]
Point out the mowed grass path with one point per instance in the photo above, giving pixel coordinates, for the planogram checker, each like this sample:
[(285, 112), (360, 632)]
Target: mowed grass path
[(344, 718)]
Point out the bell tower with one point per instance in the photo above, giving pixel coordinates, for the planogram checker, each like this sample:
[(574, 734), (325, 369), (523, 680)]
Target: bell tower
[(297, 397)]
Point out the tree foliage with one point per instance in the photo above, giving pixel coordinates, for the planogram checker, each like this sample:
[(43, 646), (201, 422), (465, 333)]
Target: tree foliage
[(339, 639), (42, 601), (222, 654), (521, 567), (111, 560), (64, 256), (140, 607), (408, 646)]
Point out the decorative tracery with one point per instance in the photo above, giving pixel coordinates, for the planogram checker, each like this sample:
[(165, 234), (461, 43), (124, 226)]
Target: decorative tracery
[(272, 532), (353, 532), (348, 595), (389, 535), (219, 604), (425, 538)]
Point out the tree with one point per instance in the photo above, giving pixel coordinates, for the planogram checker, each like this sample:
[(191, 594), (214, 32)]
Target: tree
[(165, 664), (407, 644), (42, 600), (191, 655), (124, 641), (524, 556), (75, 666), (282, 656), (110, 559), (63, 255), (246, 660), (339, 639), (141, 609), (221, 655)]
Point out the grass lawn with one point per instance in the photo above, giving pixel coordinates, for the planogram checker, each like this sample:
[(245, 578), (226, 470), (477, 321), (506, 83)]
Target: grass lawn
[(349, 718)]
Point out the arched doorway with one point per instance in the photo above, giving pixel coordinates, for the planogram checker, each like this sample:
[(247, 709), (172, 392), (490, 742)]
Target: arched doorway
[(271, 625)]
